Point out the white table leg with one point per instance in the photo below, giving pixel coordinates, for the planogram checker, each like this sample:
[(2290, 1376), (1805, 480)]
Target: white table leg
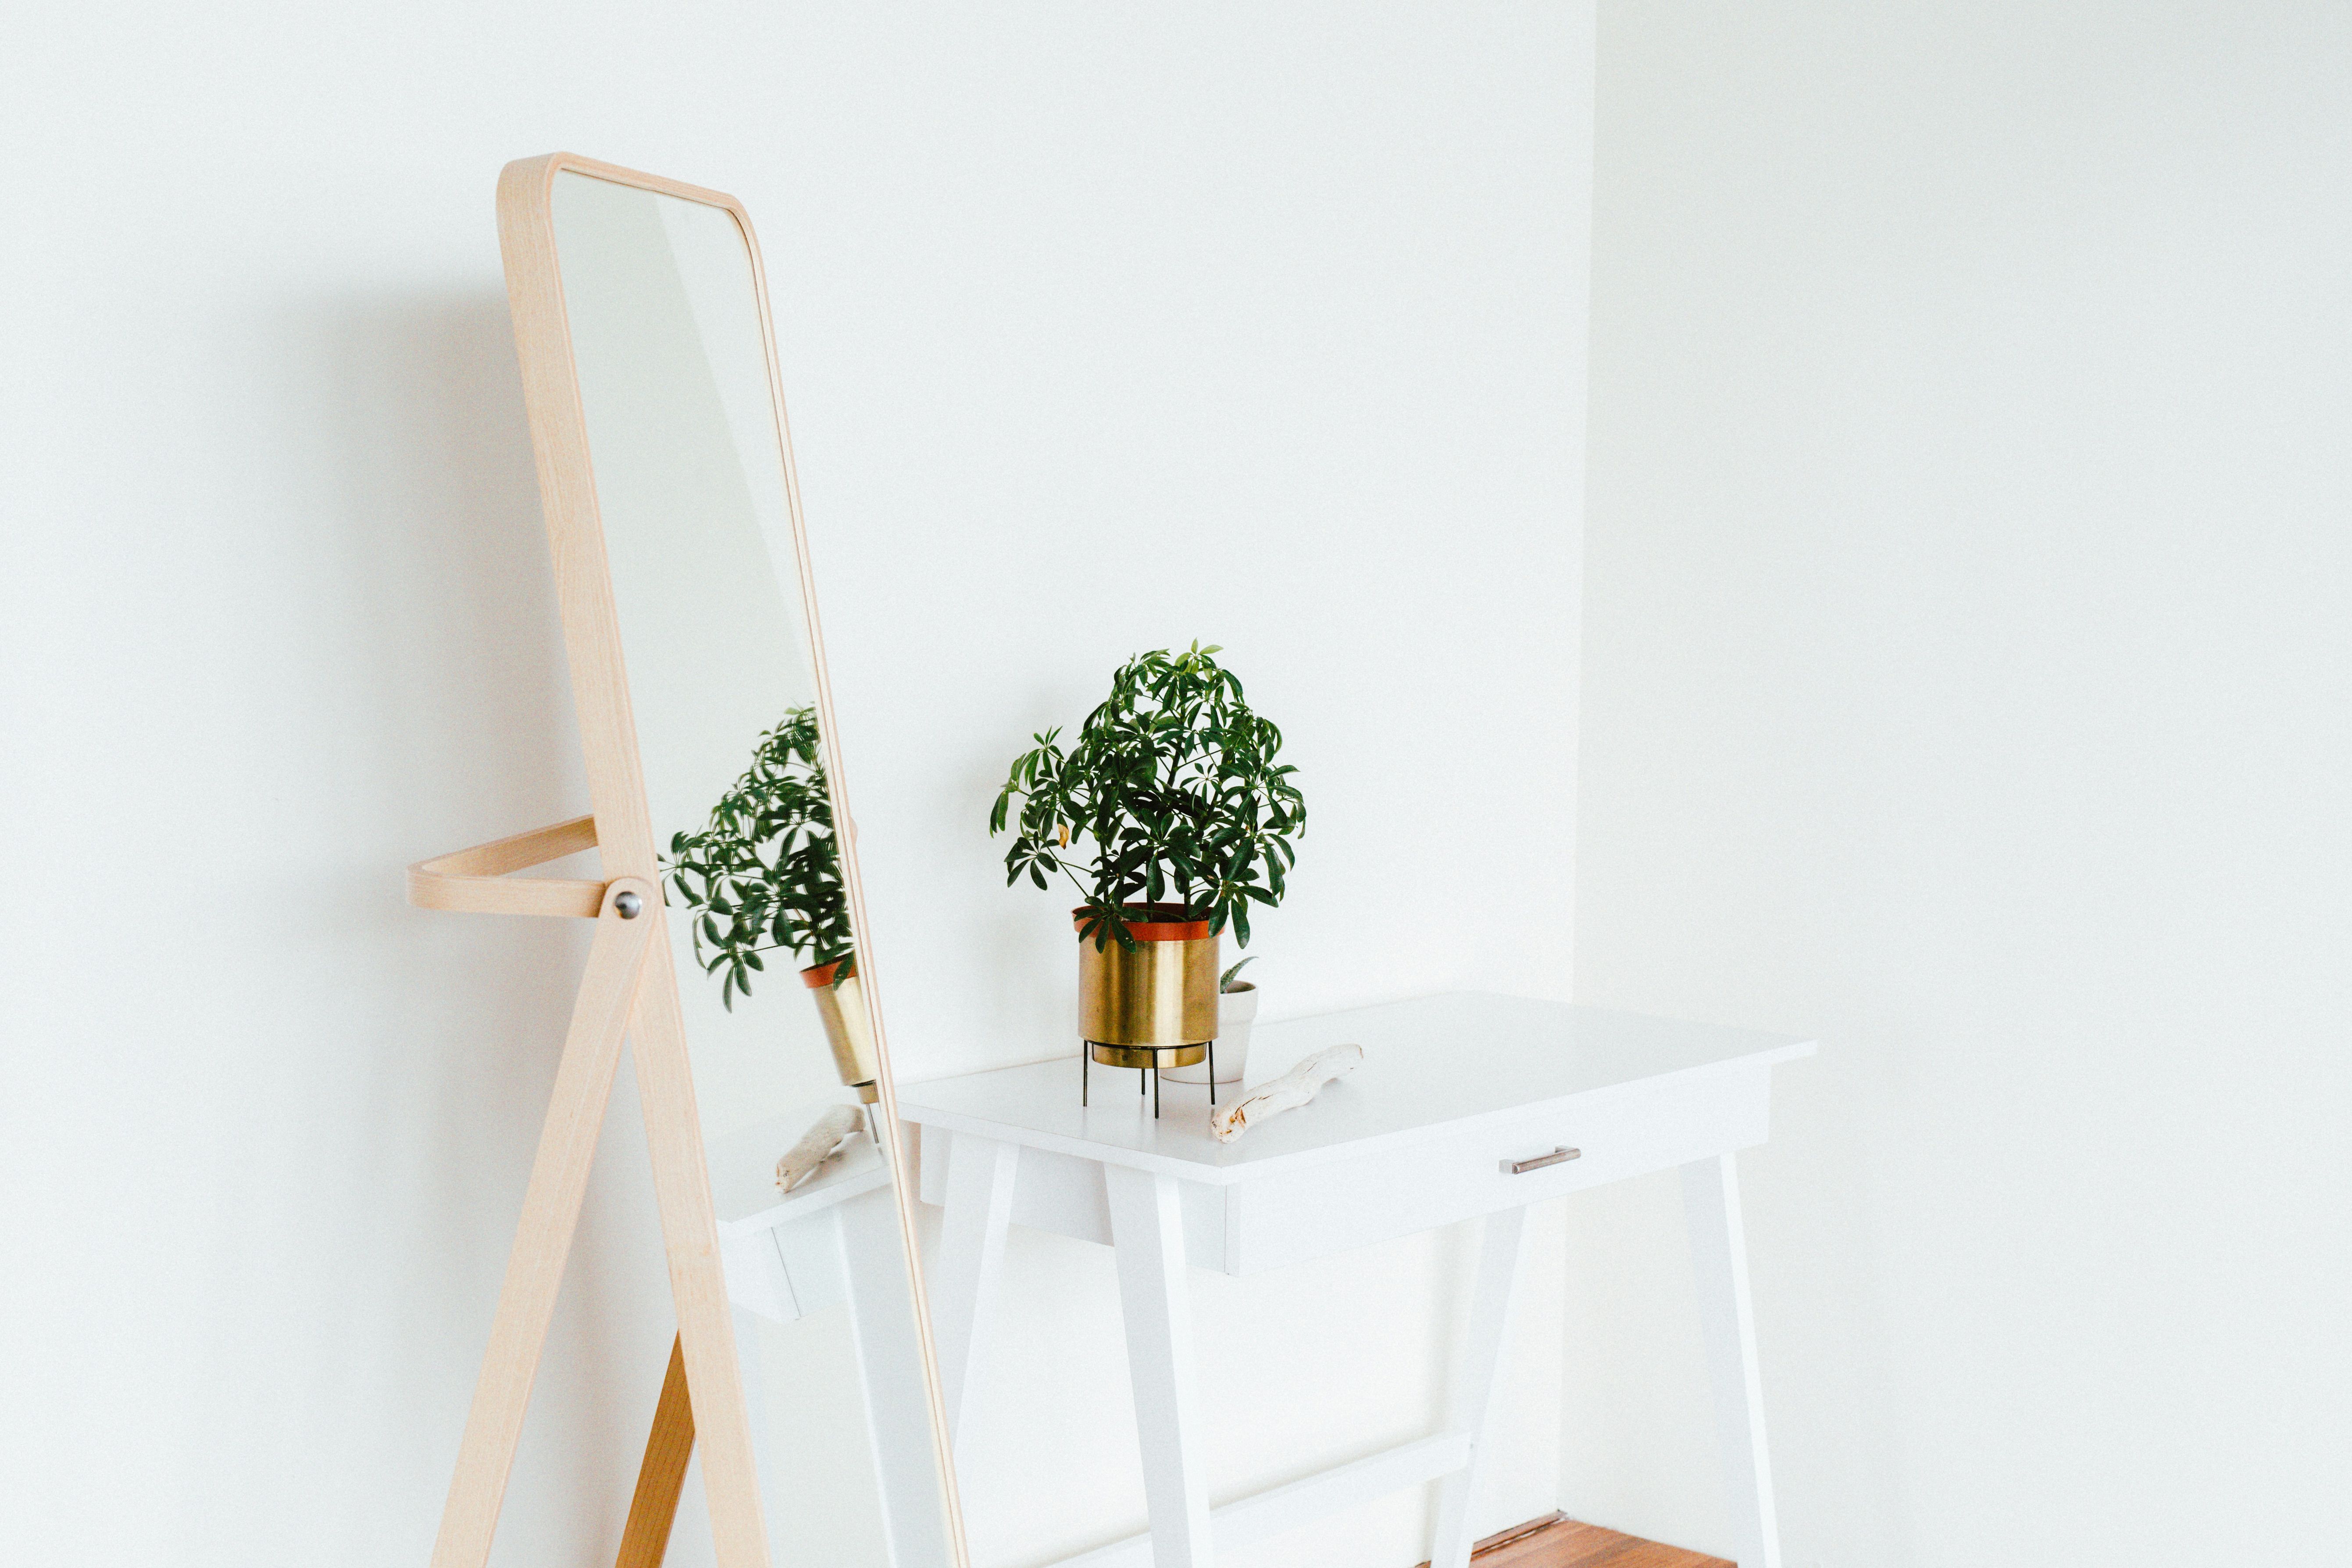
[(1470, 1397), (1147, 1226), (898, 1405), (1719, 1259), (962, 1284)]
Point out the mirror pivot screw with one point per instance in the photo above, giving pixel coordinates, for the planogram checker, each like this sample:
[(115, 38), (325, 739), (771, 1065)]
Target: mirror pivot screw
[(627, 905)]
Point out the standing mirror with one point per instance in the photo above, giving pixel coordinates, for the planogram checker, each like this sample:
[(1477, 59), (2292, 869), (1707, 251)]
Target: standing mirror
[(802, 1375)]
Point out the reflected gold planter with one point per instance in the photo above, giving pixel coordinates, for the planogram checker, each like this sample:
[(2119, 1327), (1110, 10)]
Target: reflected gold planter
[(841, 1005), (1154, 1004)]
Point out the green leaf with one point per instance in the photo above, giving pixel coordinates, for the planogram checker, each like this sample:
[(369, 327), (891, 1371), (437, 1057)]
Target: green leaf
[(1170, 791), (765, 862)]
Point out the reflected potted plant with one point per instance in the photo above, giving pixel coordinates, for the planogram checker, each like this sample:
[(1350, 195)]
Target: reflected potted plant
[(1172, 817), (764, 876)]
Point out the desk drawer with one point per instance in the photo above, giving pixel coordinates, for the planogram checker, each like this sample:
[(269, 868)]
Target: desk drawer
[(1320, 1209)]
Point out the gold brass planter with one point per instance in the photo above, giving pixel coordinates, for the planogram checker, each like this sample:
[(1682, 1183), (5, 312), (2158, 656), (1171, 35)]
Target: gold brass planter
[(1149, 1006), (1154, 1004), (841, 1005)]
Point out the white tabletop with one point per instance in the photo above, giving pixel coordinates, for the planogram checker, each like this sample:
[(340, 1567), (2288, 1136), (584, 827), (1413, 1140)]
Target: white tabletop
[(1432, 1065)]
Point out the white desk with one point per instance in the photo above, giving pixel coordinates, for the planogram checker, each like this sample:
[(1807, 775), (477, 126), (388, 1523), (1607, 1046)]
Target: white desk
[(1453, 1090)]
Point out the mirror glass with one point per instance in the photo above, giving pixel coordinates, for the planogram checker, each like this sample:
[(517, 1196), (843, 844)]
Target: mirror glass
[(685, 439)]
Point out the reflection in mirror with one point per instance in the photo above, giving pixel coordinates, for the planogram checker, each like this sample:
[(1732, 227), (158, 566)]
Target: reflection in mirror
[(685, 440), (762, 876)]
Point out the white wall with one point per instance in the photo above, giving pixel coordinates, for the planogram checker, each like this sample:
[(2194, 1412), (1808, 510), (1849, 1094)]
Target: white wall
[(1263, 327), (1104, 330), (1965, 680)]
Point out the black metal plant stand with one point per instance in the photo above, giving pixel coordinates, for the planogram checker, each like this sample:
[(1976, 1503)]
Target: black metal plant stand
[(1086, 1067)]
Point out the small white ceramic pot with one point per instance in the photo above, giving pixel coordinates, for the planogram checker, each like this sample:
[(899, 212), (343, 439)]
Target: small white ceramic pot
[(1236, 1010)]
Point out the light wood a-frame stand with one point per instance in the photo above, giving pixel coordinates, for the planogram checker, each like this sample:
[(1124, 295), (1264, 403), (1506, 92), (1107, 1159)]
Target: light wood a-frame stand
[(612, 999), (644, 1539)]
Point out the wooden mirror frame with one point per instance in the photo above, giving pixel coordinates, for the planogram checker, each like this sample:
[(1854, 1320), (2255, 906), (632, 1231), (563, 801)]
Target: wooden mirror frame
[(631, 982)]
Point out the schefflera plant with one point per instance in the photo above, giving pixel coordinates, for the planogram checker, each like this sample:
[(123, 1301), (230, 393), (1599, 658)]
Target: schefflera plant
[(765, 875), (1171, 794)]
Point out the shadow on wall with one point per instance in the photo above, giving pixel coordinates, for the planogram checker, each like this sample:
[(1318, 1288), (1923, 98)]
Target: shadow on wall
[(421, 1046)]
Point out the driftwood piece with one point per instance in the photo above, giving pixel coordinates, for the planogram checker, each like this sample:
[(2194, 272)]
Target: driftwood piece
[(822, 1143), (1288, 1092)]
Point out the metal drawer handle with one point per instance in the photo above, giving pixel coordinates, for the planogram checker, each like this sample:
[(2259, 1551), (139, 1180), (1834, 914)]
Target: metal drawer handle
[(1557, 1157)]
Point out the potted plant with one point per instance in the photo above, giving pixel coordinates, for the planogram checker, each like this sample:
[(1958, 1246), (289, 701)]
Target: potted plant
[(1172, 816), (764, 876)]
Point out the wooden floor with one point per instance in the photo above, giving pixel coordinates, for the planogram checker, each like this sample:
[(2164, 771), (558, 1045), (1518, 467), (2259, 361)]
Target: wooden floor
[(1562, 1543)]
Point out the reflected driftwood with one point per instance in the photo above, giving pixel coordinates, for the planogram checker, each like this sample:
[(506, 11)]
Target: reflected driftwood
[(822, 1143)]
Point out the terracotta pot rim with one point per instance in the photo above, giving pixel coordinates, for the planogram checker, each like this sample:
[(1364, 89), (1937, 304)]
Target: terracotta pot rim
[(1151, 930), (817, 977)]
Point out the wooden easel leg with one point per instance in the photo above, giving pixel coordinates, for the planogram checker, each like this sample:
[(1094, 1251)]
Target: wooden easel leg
[(551, 1212), (706, 1319), (645, 1541)]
